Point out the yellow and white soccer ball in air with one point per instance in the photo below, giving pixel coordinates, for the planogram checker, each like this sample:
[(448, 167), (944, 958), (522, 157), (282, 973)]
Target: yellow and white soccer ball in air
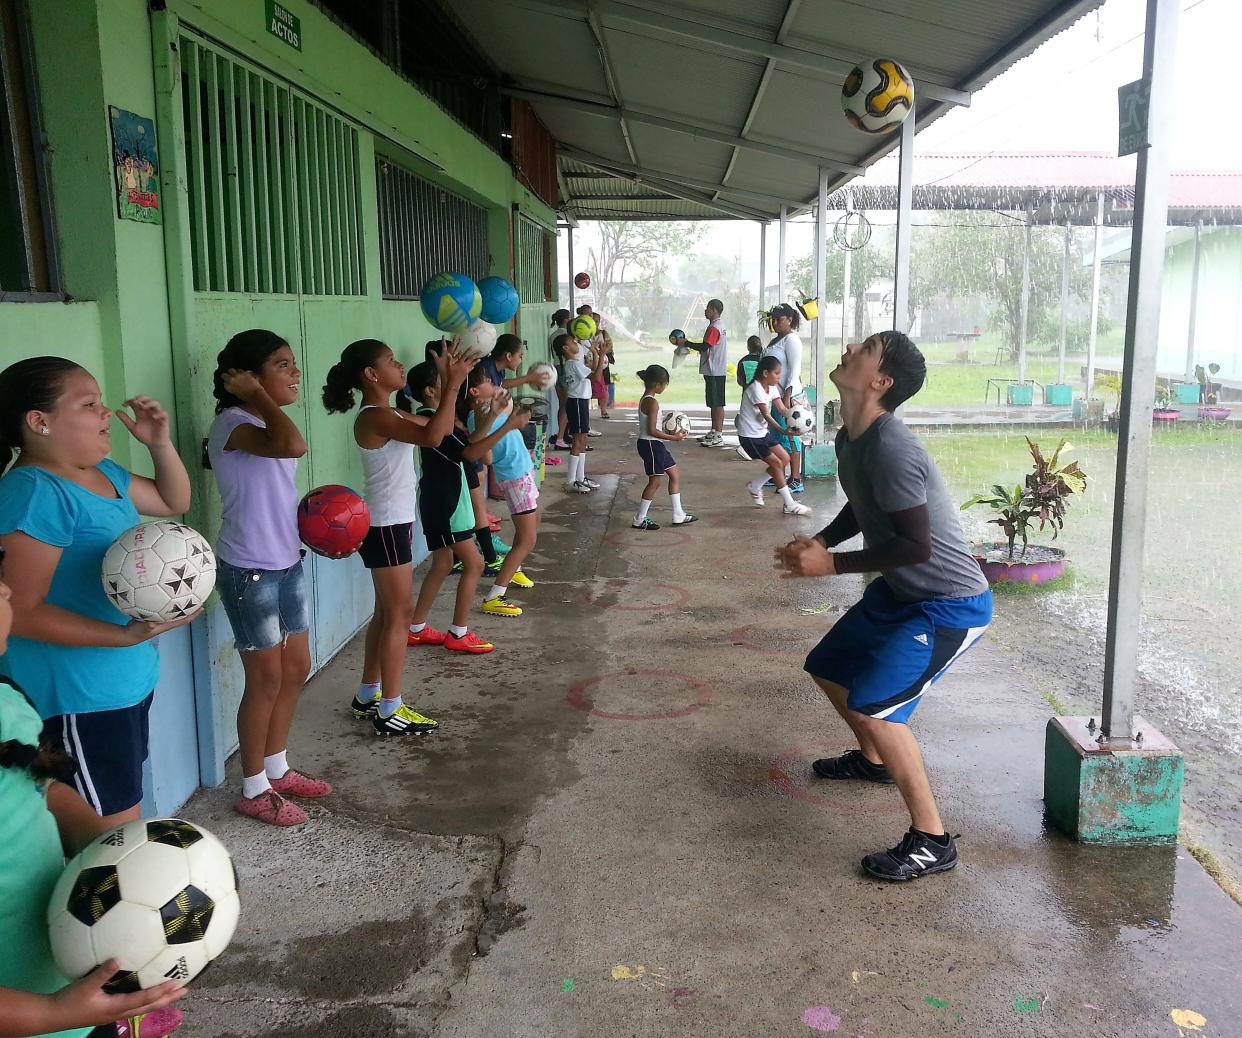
[(676, 422), (877, 96)]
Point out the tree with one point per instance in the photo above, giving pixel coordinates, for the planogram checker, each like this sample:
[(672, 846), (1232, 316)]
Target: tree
[(872, 263), (636, 250), (980, 254)]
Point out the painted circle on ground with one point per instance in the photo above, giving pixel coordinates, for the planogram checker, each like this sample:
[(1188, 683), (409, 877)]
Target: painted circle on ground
[(681, 598), (577, 696), (740, 637), (646, 540), (797, 761)]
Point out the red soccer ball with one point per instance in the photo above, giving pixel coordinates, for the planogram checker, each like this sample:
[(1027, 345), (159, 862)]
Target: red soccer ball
[(582, 280), (333, 520)]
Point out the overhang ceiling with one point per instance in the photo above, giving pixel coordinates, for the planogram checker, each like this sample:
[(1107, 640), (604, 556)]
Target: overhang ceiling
[(702, 109)]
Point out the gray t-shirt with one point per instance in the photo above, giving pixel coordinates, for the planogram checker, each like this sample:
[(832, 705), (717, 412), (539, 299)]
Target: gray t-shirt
[(888, 470)]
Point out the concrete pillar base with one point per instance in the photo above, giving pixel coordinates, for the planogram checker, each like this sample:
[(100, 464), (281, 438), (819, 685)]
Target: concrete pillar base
[(1101, 794)]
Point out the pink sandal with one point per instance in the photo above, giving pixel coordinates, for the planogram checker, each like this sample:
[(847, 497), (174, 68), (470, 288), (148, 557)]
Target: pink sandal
[(270, 807), (156, 1024), (294, 783)]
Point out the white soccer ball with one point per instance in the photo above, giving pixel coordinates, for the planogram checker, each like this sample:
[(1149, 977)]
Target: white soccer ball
[(801, 420), (676, 422), (545, 375), (159, 571), (877, 96), (159, 895), (478, 339)]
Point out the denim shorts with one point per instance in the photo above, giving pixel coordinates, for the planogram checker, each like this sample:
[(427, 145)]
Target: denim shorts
[(264, 606)]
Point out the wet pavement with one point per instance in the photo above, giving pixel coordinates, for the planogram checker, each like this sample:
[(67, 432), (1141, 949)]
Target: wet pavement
[(614, 832)]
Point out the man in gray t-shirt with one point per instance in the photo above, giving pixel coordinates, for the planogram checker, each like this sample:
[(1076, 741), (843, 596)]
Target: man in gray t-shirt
[(930, 604)]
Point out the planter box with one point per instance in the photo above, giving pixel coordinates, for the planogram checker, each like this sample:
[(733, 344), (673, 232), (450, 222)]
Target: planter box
[(1058, 395), (1214, 414), (1187, 393), (1040, 565), (819, 461), (1021, 395), (1164, 416)]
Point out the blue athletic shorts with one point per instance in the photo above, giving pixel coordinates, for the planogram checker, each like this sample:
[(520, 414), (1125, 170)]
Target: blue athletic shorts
[(109, 747), (791, 444), (656, 457), (887, 653), (264, 606), (757, 447), (579, 412)]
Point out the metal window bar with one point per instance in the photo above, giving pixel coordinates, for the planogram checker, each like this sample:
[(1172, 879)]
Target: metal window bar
[(273, 182), (425, 229), (531, 261)]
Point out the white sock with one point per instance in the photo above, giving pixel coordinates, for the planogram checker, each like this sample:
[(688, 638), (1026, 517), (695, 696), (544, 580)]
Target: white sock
[(497, 591), (571, 471), (755, 486), (388, 707), (581, 467), (678, 511), (276, 765), (417, 628), (253, 785), (367, 691), (644, 506), (457, 632), (786, 496)]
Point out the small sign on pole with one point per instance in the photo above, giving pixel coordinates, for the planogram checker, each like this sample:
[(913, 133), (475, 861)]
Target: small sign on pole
[(284, 25), (1133, 101)]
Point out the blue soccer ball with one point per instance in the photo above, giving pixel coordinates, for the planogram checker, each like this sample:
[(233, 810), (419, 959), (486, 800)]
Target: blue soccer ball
[(500, 300), (451, 301)]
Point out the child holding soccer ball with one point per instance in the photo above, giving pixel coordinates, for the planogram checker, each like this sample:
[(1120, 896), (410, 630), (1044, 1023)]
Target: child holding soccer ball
[(42, 818), (577, 381), (90, 670), (385, 437), (657, 461), (758, 429)]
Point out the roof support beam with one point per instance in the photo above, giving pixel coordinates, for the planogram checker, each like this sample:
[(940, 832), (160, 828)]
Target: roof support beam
[(612, 168), (645, 118), (834, 61), (686, 195), (597, 30)]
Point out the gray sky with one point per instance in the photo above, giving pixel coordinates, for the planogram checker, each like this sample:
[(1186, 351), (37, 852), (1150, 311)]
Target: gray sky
[(1063, 98)]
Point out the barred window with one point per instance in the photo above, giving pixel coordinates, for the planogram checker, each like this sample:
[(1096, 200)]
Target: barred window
[(425, 230), (534, 258), (27, 260), (273, 179)]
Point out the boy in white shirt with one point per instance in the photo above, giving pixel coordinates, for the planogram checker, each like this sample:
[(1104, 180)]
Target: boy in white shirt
[(757, 430), (713, 366)]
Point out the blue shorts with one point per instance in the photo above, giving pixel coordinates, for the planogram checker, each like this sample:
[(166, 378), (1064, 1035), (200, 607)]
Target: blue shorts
[(108, 747), (887, 653), (656, 457), (757, 447), (791, 443), (264, 606), (579, 416)]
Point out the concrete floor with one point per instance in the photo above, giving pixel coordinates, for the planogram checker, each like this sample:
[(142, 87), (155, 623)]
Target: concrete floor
[(614, 834)]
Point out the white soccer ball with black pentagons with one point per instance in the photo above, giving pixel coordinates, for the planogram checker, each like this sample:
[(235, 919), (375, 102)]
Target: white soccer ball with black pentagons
[(159, 571), (801, 420), (158, 895), (676, 422)]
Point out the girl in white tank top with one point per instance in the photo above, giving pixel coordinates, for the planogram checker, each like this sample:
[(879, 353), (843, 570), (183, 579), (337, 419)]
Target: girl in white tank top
[(386, 439), (657, 461)]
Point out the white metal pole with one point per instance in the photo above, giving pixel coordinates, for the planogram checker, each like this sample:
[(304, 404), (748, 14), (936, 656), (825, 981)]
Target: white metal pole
[(905, 198), (1065, 283), (763, 268), (821, 290), (1095, 294), (1194, 304), (1026, 298), (570, 260), (1138, 377), (780, 258)]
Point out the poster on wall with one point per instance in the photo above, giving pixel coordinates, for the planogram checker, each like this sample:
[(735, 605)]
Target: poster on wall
[(136, 165)]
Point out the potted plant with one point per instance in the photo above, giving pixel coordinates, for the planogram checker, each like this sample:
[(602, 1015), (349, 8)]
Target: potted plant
[(1209, 395), (1040, 500), (1164, 410), (808, 306)]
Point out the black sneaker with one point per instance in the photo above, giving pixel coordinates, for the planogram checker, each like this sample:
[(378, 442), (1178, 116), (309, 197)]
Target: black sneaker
[(852, 764), (646, 524), (917, 855)]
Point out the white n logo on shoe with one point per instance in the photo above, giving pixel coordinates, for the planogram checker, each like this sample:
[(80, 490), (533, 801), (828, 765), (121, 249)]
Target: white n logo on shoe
[(923, 858)]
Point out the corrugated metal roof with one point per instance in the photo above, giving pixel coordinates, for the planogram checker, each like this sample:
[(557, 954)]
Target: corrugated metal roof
[(731, 106)]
